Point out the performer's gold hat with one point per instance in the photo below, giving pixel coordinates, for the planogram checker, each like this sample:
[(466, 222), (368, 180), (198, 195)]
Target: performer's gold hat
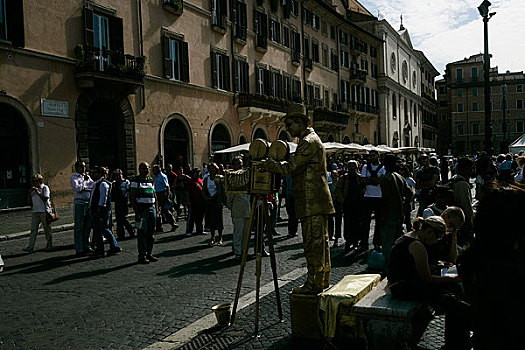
[(295, 110)]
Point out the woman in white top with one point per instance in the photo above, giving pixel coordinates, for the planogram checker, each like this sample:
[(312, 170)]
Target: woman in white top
[(39, 196), (213, 191)]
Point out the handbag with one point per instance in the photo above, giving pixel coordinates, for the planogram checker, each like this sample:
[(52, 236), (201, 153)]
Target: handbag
[(376, 261), (52, 215)]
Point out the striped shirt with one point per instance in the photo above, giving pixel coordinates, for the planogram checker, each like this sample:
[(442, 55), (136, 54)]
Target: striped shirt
[(144, 189)]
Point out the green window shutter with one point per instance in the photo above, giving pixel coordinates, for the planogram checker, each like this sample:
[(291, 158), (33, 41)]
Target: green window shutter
[(116, 36), (185, 63), (227, 76), (89, 33), (213, 70), (235, 75), (168, 72), (15, 22), (246, 81), (267, 88)]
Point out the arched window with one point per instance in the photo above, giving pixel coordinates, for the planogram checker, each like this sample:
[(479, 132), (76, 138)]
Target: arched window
[(346, 139), (260, 134), (176, 143), (330, 138), (284, 136), (220, 138)]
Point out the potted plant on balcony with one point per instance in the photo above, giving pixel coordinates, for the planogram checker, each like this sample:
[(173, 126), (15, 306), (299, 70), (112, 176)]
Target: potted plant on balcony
[(173, 6)]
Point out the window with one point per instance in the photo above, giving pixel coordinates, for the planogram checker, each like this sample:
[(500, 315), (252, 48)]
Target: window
[(459, 129), (275, 31), (296, 46), (474, 73), (344, 59), (286, 36), (345, 91), (475, 128), (414, 77), (474, 92), (306, 47), (394, 106), (220, 71), (519, 88), (374, 70), (276, 84), (287, 87), (241, 21), (460, 92), (241, 82), (475, 107), (325, 55), (263, 81), (460, 107), (519, 104), (317, 96), (404, 71), (374, 98), (442, 90), (364, 65), (343, 37), (176, 63), (315, 21), (324, 28), (261, 29), (459, 74), (11, 22), (332, 32), (218, 13), (519, 126), (373, 52), (295, 7), (326, 98), (315, 51), (296, 88), (334, 60)]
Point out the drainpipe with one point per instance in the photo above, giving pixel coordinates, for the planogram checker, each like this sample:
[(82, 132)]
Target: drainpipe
[(141, 39), (303, 70)]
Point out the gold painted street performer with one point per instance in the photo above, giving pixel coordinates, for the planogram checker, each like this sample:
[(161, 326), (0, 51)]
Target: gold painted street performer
[(313, 202)]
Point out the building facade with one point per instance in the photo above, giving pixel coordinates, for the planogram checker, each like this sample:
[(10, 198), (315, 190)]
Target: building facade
[(429, 104), (464, 93), (115, 83)]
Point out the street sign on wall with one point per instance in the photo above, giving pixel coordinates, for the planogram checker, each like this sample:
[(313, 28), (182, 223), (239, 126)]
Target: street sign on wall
[(53, 108)]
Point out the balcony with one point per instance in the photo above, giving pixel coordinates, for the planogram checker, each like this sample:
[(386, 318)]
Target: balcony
[(325, 119), (100, 67), (256, 107), (358, 76), (361, 107), (173, 6), (296, 57), (307, 63)]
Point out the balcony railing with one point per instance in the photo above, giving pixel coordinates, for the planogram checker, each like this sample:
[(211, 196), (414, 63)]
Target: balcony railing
[(116, 64), (332, 117), (361, 107), (307, 63), (358, 75), (262, 101), (296, 57)]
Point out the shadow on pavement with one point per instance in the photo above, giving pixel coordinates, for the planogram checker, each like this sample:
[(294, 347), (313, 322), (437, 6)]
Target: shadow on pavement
[(45, 265), (88, 274), (206, 266)]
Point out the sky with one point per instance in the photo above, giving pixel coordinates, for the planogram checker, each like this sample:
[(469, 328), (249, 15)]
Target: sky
[(450, 30)]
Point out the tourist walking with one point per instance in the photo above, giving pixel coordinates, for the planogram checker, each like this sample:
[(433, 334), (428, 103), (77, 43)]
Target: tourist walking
[(82, 184), (162, 191), (120, 195), (144, 202), (213, 190), (39, 197)]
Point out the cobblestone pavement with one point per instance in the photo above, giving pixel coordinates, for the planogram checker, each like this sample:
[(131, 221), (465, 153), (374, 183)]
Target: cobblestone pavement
[(53, 300)]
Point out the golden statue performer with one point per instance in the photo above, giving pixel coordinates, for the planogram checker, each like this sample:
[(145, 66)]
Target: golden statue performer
[(313, 202)]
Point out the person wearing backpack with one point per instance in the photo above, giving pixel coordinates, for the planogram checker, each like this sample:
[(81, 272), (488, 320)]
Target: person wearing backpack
[(100, 207), (371, 174)]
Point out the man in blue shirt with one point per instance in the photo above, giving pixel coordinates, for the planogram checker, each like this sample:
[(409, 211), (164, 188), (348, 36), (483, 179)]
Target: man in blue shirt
[(162, 190)]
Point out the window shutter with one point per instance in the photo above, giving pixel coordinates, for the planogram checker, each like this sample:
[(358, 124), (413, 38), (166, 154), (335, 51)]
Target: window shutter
[(297, 39), (116, 40), (235, 72), (255, 22), (267, 89), (213, 70), (15, 22), (246, 81), (89, 34), (185, 63), (280, 86), (243, 17), (343, 95), (227, 77), (168, 72), (224, 13)]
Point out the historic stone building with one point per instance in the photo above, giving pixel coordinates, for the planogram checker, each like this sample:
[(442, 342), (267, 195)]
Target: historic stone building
[(463, 91), (115, 83), (429, 104)]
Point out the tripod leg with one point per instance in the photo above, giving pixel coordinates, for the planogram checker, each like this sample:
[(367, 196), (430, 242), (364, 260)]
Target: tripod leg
[(273, 263), (247, 235), (259, 240)]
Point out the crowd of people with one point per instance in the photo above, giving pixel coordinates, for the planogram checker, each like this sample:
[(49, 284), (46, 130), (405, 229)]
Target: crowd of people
[(479, 233)]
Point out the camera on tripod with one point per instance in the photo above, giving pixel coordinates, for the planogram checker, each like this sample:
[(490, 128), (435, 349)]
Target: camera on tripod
[(254, 180)]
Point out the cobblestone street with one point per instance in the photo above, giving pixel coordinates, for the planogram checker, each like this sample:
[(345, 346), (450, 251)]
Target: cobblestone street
[(53, 300)]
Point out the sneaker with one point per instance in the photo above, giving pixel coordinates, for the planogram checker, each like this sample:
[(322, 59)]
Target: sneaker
[(152, 258), (188, 234), (143, 261), (29, 250)]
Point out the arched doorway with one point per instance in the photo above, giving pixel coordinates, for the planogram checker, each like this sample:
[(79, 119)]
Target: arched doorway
[(395, 140), (106, 135), (176, 143), (365, 141), (242, 140), (346, 139), (220, 139), (14, 158), (260, 134), (416, 141)]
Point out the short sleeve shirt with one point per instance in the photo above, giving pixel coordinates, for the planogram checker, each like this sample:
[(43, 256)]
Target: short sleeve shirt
[(38, 205), (372, 190)]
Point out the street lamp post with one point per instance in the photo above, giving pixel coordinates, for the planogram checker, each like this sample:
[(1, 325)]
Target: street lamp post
[(504, 126), (484, 12)]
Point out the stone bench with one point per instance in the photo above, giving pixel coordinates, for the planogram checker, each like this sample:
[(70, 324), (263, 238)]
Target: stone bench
[(390, 323)]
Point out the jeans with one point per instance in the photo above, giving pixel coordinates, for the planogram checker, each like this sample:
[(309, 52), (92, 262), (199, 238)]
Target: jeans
[(101, 224), (146, 228), (371, 204), (82, 224), (36, 219)]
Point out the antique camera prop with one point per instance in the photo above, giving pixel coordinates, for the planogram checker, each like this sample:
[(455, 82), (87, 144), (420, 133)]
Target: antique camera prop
[(253, 180)]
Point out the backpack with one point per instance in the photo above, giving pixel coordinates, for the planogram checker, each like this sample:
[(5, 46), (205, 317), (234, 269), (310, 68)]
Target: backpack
[(373, 173)]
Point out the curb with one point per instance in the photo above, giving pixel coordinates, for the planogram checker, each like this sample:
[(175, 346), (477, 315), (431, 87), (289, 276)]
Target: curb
[(54, 229)]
